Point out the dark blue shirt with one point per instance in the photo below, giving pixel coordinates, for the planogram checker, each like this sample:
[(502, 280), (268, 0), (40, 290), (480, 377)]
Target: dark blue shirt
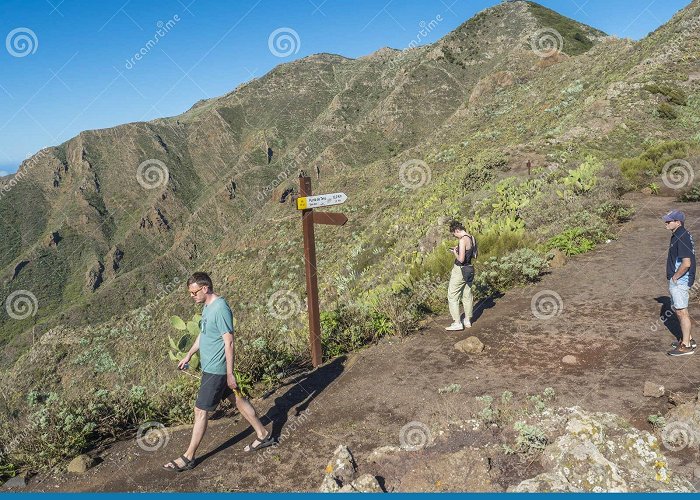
[(682, 246)]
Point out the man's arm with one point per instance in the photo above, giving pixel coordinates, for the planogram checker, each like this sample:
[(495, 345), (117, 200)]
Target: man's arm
[(682, 269), (228, 349)]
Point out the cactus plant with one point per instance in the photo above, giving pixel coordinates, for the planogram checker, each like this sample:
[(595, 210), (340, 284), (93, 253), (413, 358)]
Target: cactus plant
[(180, 348)]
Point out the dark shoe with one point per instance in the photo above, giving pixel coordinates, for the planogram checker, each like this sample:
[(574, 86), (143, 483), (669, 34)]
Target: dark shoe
[(693, 344), (259, 444), (681, 350), (172, 465)]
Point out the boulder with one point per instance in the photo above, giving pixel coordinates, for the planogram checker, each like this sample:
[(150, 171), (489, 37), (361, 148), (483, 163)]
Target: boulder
[(471, 345), (339, 471), (602, 452), (569, 360), (366, 483), (465, 470), (682, 428), (653, 390), (557, 259), (16, 483), (80, 464)]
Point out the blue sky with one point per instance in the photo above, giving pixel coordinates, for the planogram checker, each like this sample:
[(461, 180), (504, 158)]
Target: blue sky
[(68, 65)]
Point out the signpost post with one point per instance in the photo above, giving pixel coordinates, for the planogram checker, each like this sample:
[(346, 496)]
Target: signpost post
[(306, 203)]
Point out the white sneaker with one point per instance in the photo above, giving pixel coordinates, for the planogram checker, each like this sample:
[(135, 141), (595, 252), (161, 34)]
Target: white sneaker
[(467, 324), (455, 327)]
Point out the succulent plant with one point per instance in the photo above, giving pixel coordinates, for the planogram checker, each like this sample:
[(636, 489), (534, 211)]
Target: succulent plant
[(180, 348)]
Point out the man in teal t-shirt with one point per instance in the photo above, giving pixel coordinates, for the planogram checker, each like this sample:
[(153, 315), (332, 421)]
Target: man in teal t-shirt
[(215, 346)]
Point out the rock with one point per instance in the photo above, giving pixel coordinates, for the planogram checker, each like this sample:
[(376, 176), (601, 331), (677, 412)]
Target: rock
[(465, 470), (16, 483), (601, 452), (80, 464), (329, 485), (653, 390), (471, 345), (339, 471), (366, 483), (569, 360), (682, 427), (94, 276), (557, 258)]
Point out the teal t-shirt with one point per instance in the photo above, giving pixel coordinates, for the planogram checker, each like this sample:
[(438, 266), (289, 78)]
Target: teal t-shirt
[(217, 319)]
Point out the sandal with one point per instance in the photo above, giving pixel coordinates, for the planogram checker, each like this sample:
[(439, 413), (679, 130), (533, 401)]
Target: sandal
[(189, 464), (262, 443)]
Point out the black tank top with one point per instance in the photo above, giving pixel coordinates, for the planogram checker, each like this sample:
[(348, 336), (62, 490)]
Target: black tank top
[(469, 254)]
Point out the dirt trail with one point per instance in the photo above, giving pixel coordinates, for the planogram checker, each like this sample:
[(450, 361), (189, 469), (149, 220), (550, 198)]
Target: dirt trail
[(609, 299)]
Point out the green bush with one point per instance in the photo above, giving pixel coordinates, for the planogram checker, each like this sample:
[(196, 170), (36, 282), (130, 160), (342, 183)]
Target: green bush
[(498, 274), (438, 262), (529, 438), (692, 195), (664, 152), (673, 94), (350, 327), (476, 178), (572, 241), (494, 243), (642, 169), (666, 111)]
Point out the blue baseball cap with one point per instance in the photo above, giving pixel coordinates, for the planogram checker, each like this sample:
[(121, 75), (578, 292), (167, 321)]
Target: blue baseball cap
[(674, 215)]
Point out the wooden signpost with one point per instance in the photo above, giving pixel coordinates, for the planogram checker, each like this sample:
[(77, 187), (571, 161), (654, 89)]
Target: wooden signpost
[(306, 203)]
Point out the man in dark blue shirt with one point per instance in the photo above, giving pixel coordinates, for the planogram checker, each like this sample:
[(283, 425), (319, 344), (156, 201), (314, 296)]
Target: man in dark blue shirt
[(680, 272)]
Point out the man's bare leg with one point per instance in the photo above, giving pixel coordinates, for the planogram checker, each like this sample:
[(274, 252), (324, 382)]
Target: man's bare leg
[(684, 320), (249, 413), (201, 418)]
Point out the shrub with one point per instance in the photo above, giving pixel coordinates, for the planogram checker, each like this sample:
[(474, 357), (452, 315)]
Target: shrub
[(495, 243), (529, 438), (657, 421), (572, 241), (637, 169), (691, 195), (666, 111), (501, 273), (673, 94), (476, 178), (663, 152), (351, 327)]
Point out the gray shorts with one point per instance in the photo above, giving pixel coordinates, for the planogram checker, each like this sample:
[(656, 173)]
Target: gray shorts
[(679, 294), (211, 391)]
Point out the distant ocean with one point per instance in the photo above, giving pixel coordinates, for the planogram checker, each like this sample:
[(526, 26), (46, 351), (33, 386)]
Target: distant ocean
[(8, 169)]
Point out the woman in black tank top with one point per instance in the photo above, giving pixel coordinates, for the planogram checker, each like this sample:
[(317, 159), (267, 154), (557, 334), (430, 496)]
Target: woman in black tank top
[(461, 278)]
